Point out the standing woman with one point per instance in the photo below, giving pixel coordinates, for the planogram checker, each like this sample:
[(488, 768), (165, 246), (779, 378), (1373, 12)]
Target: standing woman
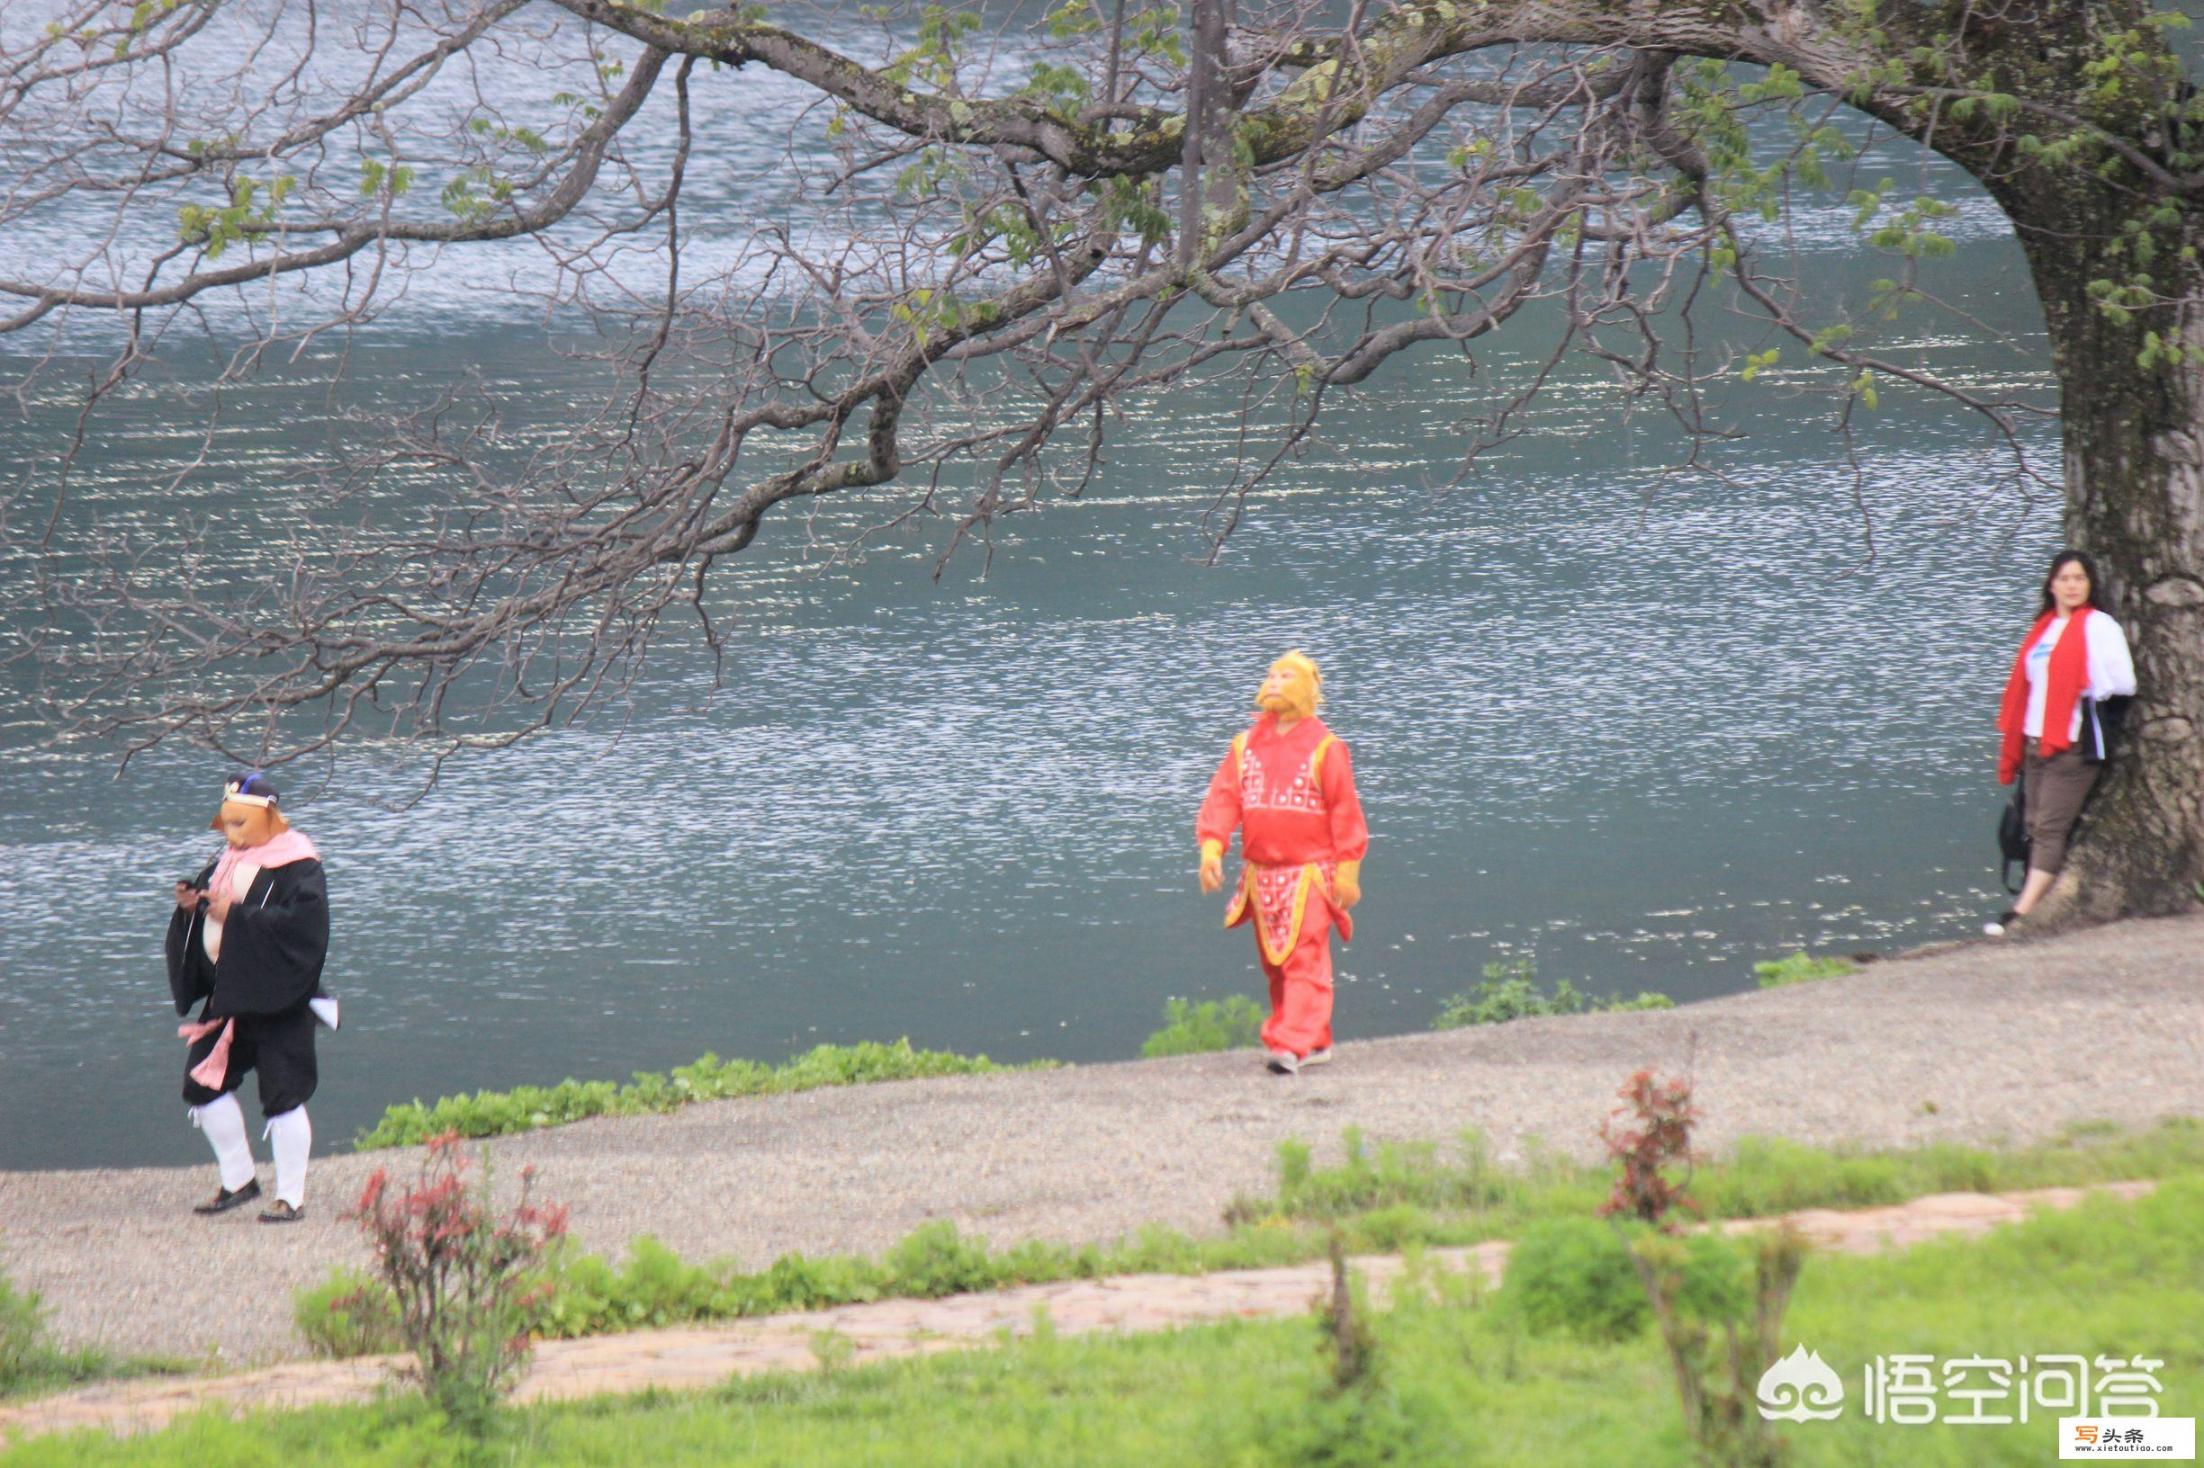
[(249, 936), (2057, 733)]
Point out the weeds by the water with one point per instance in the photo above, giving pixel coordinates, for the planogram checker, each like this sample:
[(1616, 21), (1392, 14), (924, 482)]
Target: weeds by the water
[(1509, 991), (1797, 968), (1196, 1029), (526, 1108)]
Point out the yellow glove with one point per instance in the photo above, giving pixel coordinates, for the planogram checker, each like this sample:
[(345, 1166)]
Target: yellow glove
[(1212, 865), (1347, 884)]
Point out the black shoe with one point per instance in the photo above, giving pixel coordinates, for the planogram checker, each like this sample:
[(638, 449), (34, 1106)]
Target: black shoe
[(2002, 925), (281, 1212), (225, 1200)]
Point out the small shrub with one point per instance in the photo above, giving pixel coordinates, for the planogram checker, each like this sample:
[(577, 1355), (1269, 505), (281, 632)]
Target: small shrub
[(463, 1281), (1799, 969), (1720, 1333), (1391, 1229), (23, 1347), (935, 1260), (1398, 1172), (351, 1313), (1196, 1029), (580, 1294), (1649, 1134), (656, 1288), (797, 1282), (1350, 1346), (1155, 1249), (1574, 1275), (30, 1361), (1366, 1188), (1720, 1310), (1354, 1419), (832, 1351), (1509, 992)]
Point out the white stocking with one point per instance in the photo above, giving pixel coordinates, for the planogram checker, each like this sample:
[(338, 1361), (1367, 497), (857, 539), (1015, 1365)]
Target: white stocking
[(223, 1121), (291, 1137)]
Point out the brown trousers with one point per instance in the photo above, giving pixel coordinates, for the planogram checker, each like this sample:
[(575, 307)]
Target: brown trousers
[(2056, 788)]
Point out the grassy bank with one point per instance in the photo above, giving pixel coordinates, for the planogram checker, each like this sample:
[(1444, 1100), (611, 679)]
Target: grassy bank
[(1461, 1379), (1378, 1199)]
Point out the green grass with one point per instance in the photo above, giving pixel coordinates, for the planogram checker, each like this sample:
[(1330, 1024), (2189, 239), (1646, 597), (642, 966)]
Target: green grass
[(1463, 1380), (1467, 1197), (1509, 991), (1197, 1029), (53, 1369), (526, 1108), (1797, 968), (1381, 1199), (31, 1364)]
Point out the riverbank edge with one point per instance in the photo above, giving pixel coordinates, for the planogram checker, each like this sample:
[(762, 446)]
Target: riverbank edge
[(1987, 1043)]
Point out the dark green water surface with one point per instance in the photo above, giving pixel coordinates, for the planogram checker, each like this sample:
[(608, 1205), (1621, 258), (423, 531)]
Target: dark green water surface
[(1641, 739)]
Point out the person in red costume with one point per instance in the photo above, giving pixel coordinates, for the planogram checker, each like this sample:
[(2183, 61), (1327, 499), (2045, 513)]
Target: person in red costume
[(1288, 786)]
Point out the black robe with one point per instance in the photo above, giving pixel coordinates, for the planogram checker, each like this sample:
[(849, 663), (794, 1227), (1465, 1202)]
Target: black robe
[(273, 945)]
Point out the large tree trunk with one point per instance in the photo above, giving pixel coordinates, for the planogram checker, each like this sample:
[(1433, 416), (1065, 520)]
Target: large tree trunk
[(2135, 502)]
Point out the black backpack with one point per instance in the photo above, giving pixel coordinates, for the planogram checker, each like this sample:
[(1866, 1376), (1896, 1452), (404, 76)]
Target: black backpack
[(2012, 835)]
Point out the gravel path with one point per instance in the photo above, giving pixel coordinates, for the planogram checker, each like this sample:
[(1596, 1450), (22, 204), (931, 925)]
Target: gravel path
[(1981, 1043)]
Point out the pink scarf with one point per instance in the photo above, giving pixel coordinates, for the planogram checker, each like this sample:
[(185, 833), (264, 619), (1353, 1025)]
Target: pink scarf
[(278, 851)]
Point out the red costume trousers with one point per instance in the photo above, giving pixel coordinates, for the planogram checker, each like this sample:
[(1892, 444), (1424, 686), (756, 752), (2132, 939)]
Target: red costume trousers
[(1301, 987)]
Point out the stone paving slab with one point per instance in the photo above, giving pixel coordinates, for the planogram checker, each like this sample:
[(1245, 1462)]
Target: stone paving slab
[(698, 1357)]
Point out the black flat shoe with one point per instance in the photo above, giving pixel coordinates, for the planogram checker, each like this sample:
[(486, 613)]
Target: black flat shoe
[(225, 1200), (2002, 925), (281, 1212)]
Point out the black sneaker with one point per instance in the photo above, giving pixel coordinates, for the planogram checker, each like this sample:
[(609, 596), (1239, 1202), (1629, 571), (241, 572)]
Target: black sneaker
[(225, 1200), (2002, 924)]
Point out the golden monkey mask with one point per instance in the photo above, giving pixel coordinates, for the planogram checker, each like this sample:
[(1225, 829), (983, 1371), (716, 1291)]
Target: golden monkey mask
[(248, 815), (1294, 688)]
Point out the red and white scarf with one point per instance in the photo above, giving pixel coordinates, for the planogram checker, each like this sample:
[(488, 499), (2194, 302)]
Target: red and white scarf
[(2068, 674)]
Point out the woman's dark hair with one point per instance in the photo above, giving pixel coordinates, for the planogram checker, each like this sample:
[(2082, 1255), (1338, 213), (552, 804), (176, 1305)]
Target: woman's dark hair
[(2059, 563)]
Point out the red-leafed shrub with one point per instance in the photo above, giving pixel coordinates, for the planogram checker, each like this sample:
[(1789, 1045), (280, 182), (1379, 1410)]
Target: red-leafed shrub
[(1649, 1134), (463, 1278), (1719, 1304)]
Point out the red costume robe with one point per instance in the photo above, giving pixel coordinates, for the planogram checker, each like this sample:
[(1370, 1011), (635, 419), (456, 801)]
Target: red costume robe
[(1292, 798)]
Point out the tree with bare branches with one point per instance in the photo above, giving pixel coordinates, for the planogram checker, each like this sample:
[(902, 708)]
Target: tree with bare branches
[(1002, 229)]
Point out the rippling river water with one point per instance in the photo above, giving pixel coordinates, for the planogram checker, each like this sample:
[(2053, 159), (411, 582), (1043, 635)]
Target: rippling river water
[(1640, 739)]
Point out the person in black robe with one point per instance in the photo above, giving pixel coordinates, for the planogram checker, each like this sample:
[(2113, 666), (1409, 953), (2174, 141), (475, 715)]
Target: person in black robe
[(249, 936)]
